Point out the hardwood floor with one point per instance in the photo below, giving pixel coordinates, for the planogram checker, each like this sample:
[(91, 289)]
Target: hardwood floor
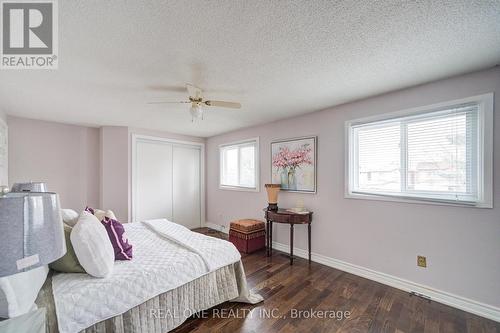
[(373, 307)]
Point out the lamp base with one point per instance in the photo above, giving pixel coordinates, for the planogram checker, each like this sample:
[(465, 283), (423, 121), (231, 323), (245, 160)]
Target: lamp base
[(272, 207)]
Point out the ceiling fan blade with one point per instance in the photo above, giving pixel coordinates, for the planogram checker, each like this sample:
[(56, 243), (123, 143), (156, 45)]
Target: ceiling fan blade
[(182, 102), (222, 104), (167, 88), (193, 91)]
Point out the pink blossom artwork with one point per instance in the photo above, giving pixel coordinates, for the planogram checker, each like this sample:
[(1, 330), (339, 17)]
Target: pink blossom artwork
[(294, 164)]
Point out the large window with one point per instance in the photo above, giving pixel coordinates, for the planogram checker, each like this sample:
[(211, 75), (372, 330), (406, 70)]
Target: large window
[(239, 165), (439, 153)]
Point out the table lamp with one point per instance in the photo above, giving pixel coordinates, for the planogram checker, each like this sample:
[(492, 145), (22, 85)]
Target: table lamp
[(31, 237), (31, 230), (272, 196)]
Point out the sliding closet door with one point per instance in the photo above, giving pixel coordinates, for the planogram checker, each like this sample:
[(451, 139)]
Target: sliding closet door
[(153, 180), (187, 186)]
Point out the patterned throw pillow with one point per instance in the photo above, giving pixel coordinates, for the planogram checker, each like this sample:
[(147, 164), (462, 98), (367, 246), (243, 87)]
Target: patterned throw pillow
[(116, 233)]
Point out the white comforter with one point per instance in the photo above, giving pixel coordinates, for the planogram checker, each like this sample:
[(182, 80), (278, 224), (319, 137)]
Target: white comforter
[(214, 252), (165, 256)]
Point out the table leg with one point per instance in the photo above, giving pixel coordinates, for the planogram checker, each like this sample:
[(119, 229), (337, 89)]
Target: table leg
[(291, 243), (267, 238), (309, 240), (270, 238)]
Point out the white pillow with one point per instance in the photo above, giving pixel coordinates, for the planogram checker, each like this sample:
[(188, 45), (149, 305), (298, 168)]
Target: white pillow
[(92, 246), (69, 216), (18, 292), (101, 214), (110, 214)]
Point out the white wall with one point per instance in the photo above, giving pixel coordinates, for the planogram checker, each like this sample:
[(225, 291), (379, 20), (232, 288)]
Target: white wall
[(66, 157), (462, 245)]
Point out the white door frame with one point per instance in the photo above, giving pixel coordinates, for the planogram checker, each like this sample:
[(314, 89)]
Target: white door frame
[(133, 167)]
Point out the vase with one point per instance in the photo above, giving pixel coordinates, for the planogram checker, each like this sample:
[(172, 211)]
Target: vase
[(292, 181), (284, 179)]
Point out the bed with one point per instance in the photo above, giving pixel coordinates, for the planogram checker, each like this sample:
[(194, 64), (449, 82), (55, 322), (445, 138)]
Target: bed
[(174, 274)]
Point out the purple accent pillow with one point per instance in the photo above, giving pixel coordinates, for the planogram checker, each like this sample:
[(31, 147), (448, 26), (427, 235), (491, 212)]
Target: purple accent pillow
[(116, 233)]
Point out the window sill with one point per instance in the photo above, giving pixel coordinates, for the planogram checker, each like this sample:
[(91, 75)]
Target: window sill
[(239, 188), (421, 201)]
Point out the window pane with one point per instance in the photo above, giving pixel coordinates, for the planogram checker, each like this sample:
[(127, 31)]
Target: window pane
[(230, 166), (378, 155), (437, 154), (238, 165), (247, 166)]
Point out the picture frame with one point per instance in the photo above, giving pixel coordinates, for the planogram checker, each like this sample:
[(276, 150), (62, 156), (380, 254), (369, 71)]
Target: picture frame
[(294, 164)]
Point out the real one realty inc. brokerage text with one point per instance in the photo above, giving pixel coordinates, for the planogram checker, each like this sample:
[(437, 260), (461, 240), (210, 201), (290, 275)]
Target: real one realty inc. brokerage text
[(273, 313)]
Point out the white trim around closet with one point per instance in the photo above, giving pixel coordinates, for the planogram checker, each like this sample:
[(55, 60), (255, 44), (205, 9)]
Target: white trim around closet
[(201, 145)]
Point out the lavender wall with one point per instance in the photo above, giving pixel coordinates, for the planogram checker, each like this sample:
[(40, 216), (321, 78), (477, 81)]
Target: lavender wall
[(461, 244), (114, 170), (86, 166), (4, 176), (64, 156)]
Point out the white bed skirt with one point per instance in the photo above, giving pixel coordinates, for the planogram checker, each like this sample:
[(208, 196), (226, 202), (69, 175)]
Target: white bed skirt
[(169, 310)]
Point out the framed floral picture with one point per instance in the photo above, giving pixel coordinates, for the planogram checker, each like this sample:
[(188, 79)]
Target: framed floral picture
[(294, 164)]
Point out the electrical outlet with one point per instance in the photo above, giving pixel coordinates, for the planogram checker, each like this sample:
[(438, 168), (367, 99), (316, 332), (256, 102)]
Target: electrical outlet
[(421, 261)]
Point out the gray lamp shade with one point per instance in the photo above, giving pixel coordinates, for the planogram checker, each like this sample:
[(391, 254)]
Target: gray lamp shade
[(31, 231), (29, 187)]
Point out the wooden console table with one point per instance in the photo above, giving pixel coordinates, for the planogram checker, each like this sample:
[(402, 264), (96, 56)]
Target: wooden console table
[(284, 216)]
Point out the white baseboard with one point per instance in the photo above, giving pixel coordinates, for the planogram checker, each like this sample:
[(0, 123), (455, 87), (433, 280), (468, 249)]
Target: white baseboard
[(462, 303), (218, 227)]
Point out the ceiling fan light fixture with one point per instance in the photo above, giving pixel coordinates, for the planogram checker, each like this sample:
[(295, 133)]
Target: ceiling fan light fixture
[(196, 111)]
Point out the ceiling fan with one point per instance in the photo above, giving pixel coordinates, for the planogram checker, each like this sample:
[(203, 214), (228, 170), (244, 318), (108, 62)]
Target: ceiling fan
[(198, 103)]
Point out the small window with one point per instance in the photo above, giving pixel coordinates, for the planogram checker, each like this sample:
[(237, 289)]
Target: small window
[(239, 165), (441, 153)]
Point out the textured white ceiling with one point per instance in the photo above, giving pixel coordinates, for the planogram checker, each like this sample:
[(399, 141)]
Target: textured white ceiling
[(278, 58)]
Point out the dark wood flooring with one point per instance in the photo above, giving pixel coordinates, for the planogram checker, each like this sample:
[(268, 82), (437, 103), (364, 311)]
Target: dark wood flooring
[(373, 307)]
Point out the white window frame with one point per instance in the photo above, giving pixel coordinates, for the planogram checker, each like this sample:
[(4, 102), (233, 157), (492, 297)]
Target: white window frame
[(485, 146), (257, 165)]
